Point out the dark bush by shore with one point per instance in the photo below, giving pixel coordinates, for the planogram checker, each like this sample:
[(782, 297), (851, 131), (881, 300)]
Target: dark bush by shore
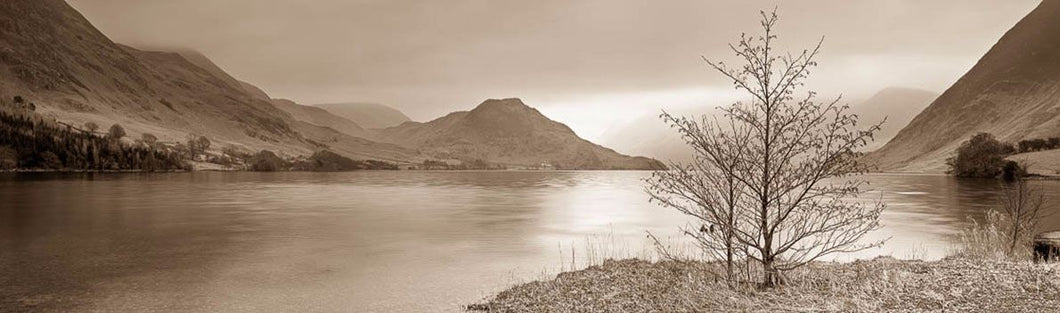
[(982, 156), (327, 161), (267, 161)]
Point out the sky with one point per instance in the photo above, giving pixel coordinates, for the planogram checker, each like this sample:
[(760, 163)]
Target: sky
[(591, 64)]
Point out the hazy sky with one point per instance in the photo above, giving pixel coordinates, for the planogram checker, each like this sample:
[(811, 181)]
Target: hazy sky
[(590, 64)]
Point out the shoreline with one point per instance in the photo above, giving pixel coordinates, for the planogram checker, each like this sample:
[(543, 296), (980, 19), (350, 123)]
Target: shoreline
[(883, 284)]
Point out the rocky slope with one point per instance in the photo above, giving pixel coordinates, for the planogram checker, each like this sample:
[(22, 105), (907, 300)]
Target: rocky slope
[(368, 115), (1012, 92), (509, 132)]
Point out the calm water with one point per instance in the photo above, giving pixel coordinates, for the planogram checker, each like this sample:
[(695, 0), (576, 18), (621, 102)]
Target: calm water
[(361, 241)]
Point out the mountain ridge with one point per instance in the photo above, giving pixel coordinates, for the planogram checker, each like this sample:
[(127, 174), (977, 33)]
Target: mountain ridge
[(52, 55), (368, 115), (496, 130), (1011, 92)]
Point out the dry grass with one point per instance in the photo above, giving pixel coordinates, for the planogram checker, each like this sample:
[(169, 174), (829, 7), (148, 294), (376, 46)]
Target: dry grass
[(956, 284), (991, 239)]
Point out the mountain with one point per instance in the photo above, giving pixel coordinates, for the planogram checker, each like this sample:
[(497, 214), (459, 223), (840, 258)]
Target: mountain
[(509, 132), (51, 55), (1012, 92), (309, 114), (318, 116), (898, 105), (368, 115), (650, 136)]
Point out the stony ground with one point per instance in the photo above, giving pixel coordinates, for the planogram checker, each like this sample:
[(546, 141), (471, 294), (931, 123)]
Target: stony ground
[(882, 285)]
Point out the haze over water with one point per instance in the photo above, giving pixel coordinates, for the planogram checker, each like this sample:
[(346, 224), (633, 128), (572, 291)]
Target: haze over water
[(363, 241)]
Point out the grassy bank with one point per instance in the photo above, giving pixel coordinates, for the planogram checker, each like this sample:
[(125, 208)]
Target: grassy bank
[(954, 284)]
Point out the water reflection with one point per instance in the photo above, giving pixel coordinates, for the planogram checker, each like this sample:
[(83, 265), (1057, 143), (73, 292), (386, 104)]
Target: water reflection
[(364, 241)]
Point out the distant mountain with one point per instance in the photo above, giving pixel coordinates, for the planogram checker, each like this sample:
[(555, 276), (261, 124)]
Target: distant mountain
[(650, 136), (1012, 92), (898, 105), (318, 116), (368, 115), (509, 132), (309, 114)]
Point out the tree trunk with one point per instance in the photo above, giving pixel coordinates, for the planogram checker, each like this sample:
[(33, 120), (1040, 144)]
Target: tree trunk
[(729, 274), (769, 273)]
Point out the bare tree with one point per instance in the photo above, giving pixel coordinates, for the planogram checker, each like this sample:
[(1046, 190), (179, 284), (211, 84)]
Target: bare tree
[(706, 188), (792, 162), (1022, 207)]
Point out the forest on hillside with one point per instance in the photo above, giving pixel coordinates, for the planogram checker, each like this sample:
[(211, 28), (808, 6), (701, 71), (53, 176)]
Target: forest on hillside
[(29, 142)]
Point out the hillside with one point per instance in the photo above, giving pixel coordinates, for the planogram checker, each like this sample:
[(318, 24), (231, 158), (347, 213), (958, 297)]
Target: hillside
[(368, 115), (1012, 92), (318, 116), (510, 132), (309, 114), (51, 55)]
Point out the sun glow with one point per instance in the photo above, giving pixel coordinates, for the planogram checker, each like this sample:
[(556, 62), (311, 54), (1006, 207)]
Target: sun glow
[(590, 115)]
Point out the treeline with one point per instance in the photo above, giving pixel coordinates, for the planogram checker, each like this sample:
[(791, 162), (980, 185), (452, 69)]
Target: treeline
[(321, 161), (31, 142), (1035, 145), (476, 164), (28, 142)]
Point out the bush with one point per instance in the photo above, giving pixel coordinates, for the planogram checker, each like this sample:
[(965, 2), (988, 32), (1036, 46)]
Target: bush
[(327, 161), (981, 156), (1013, 171), (267, 161), (116, 132)]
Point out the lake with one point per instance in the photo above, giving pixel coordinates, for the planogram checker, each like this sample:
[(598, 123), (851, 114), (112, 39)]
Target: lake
[(364, 241)]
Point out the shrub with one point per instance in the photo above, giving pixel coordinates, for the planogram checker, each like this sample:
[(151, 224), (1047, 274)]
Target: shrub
[(116, 132), (327, 161), (267, 161), (980, 156), (1012, 171)]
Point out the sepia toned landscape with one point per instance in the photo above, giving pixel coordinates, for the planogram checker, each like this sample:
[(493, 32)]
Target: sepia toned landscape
[(508, 156)]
